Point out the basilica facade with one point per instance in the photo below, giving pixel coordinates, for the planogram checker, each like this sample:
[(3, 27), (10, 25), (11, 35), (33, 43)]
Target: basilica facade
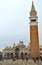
[(15, 51)]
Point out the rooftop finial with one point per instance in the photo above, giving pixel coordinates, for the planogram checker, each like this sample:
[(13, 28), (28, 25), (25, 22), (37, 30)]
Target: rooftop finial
[(32, 0)]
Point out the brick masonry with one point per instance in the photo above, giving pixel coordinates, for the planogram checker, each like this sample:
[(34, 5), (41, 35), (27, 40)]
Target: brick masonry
[(34, 42)]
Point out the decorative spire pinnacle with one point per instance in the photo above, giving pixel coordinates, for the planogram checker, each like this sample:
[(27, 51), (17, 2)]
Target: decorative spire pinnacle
[(32, 8)]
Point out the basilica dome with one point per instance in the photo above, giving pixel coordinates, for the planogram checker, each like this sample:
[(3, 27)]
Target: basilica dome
[(21, 44)]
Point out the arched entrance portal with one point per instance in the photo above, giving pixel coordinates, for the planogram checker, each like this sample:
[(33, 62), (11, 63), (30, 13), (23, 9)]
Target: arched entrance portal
[(11, 55), (17, 53), (7, 55)]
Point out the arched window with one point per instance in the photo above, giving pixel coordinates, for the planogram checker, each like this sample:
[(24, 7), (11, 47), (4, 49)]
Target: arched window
[(17, 49)]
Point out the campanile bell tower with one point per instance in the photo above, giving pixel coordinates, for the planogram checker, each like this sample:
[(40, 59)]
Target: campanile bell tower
[(34, 38)]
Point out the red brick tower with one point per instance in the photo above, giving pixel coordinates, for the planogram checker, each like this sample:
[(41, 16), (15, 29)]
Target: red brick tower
[(34, 39)]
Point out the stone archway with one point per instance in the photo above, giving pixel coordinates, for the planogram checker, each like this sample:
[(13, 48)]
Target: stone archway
[(7, 55), (16, 55), (22, 55), (11, 55), (17, 52)]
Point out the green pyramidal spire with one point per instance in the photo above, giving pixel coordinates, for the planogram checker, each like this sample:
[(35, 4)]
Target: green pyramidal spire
[(32, 8)]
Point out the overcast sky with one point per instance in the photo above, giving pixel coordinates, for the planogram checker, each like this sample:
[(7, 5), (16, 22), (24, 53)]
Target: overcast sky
[(14, 21)]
